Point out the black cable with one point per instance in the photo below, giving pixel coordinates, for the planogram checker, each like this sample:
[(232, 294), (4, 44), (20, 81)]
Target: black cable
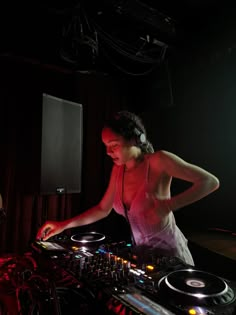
[(126, 71)]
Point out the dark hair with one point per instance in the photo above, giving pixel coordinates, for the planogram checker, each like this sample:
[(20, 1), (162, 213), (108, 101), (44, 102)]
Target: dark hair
[(130, 127)]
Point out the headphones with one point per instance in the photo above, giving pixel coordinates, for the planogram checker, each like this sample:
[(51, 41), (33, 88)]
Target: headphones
[(141, 137), (138, 134)]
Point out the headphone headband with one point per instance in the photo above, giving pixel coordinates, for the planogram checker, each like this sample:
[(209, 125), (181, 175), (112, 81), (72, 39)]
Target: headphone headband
[(139, 135)]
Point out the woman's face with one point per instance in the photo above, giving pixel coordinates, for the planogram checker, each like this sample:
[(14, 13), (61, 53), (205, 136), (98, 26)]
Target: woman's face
[(117, 147)]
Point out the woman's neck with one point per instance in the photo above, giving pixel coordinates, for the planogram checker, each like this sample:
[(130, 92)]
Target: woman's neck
[(134, 162)]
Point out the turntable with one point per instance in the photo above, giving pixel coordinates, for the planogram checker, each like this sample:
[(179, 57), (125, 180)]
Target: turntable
[(197, 291)]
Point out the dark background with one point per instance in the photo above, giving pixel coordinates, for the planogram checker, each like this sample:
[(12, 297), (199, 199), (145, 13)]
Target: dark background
[(105, 55)]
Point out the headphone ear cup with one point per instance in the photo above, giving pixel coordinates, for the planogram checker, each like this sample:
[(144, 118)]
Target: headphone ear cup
[(141, 137)]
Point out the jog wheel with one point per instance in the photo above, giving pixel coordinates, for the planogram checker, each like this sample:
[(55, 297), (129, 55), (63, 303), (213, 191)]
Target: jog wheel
[(89, 237), (194, 287)]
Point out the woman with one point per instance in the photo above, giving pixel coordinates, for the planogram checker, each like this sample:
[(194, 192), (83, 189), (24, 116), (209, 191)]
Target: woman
[(139, 189)]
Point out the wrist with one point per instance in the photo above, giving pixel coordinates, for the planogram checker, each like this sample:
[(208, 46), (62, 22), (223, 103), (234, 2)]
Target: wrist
[(68, 224)]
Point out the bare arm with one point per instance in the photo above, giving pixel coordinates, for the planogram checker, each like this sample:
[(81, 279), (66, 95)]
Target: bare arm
[(203, 182), (91, 215), (95, 213)]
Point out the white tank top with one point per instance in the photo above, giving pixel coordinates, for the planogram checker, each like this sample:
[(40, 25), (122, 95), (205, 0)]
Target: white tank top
[(146, 227)]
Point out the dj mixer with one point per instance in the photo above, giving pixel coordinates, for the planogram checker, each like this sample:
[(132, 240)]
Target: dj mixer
[(89, 276)]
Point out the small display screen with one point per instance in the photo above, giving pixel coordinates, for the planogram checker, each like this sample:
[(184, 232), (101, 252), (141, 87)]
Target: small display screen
[(50, 246), (144, 305)]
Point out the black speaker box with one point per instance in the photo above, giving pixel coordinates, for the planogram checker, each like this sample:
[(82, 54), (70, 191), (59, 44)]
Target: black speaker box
[(49, 158)]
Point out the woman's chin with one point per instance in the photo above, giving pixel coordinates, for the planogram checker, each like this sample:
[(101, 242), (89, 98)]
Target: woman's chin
[(117, 161)]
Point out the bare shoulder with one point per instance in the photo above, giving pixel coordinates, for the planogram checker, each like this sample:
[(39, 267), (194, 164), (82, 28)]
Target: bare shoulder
[(175, 166), (163, 159), (164, 155), (171, 163)]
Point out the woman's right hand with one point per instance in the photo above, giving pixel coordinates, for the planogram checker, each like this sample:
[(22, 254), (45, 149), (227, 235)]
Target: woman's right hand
[(49, 229)]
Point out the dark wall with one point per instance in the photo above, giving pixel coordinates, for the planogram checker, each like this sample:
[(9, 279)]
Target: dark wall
[(194, 115), (204, 125)]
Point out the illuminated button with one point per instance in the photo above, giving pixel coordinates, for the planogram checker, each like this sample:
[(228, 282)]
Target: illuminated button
[(133, 265), (149, 267), (75, 248), (192, 312)]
